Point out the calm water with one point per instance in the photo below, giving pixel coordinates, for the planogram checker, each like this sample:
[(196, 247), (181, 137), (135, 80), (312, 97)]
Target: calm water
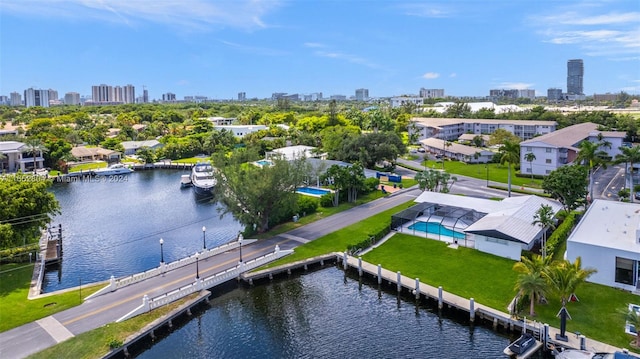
[(114, 228), (323, 315)]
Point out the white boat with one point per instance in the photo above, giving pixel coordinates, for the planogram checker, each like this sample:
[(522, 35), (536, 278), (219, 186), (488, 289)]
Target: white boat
[(115, 169), (523, 347), (559, 353), (185, 181), (203, 179)]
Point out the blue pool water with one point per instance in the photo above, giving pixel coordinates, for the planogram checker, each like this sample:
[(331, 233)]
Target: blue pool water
[(435, 228), (313, 191), (264, 163)]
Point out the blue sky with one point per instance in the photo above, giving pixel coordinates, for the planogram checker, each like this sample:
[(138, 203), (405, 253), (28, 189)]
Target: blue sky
[(220, 48)]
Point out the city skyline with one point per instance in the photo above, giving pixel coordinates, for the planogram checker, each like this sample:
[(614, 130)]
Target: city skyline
[(219, 49)]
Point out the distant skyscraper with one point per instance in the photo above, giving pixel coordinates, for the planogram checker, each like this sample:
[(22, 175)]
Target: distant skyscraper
[(242, 96), (102, 93), (118, 95), (4, 100), (129, 94), (431, 93), (554, 94), (72, 98), (362, 94), (575, 77), (145, 95), (168, 97), (33, 97), (53, 95), (16, 99)]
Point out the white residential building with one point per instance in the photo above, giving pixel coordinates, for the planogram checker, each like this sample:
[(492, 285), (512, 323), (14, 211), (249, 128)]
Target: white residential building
[(451, 129), (462, 153), (561, 147), (502, 228), (241, 130), (131, 147), (33, 97), (607, 238), (15, 161)]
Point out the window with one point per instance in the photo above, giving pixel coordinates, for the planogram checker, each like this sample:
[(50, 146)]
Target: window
[(548, 160), (528, 149), (547, 172), (548, 150), (624, 270), (528, 170)]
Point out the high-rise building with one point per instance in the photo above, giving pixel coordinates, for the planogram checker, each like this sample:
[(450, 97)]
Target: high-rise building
[(33, 97), (242, 96), (129, 94), (53, 95), (554, 94), (102, 93), (4, 100), (575, 77), (145, 95), (72, 98), (16, 99), (118, 96), (168, 97), (431, 93), (362, 94)]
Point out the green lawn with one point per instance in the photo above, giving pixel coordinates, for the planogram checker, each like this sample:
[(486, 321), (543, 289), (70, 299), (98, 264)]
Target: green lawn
[(339, 240), (16, 309), (497, 172), (87, 166), (192, 160), (490, 281), (95, 343)]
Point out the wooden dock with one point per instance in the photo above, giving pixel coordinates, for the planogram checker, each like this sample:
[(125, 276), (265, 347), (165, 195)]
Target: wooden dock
[(53, 253)]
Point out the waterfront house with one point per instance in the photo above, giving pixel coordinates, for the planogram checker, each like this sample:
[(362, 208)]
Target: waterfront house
[(607, 238), (14, 159), (131, 147), (86, 154)]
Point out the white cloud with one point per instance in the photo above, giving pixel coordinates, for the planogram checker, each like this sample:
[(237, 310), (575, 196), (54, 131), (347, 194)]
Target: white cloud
[(592, 27), (255, 50), (431, 75), (314, 45), (426, 10), (347, 57), (515, 85), (190, 14), (453, 74)]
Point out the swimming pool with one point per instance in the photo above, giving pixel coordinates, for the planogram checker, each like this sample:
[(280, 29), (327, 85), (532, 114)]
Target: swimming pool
[(263, 163), (313, 191), (436, 228)]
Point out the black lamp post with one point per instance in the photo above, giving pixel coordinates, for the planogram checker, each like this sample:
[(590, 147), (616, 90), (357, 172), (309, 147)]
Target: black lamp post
[(240, 243), (197, 268), (204, 243), (161, 251)]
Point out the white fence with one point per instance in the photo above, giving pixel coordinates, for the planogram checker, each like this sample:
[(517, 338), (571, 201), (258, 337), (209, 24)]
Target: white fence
[(211, 281), (115, 284)]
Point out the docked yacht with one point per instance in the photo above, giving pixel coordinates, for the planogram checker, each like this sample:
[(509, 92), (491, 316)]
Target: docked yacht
[(115, 169), (203, 179)]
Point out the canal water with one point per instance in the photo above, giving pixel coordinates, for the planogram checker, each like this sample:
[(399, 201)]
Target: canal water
[(323, 314), (113, 226)]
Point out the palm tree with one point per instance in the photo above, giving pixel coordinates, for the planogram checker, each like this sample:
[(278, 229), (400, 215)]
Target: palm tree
[(590, 155), (629, 155), (510, 155), (632, 317), (564, 278), (544, 218), (530, 157), (535, 264), (33, 146), (532, 285)]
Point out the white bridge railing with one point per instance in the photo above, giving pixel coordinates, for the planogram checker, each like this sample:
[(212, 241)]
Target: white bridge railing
[(211, 281), (115, 284)]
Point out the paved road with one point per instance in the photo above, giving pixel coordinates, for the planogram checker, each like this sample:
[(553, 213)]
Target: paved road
[(608, 181), (33, 337)]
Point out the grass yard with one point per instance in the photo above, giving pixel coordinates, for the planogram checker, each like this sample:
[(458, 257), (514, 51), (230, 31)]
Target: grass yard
[(339, 240), (96, 343), (490, 280), (497, 172), (16, 309), (463, 271), (87, 166)]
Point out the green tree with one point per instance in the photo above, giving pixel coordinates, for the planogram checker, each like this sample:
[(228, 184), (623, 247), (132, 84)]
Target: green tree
[(458, 110), (530, 157), (349, 179), (532, 285), (23, 215), (567, 184), (633, 317), (590, 155), (544, 218), (510, 155), (258, 197), (146, 154), (34, 146), (629, 156), (435, 180), (501, 136), (2, 158)]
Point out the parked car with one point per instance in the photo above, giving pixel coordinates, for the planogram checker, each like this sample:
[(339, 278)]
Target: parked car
[(422, 150), (637, 195)]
